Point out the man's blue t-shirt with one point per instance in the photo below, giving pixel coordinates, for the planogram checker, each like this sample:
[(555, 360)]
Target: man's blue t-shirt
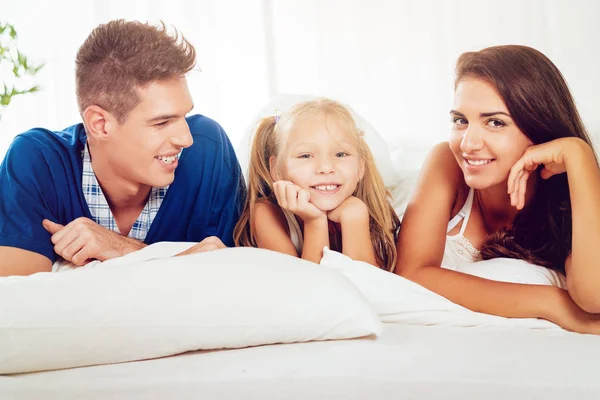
[(40, 178)]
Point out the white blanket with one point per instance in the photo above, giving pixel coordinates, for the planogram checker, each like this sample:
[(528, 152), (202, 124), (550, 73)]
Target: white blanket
[(394, 298), (399, 300)]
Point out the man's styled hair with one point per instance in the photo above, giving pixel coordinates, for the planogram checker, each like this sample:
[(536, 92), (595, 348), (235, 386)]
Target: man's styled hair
[(120, 56)]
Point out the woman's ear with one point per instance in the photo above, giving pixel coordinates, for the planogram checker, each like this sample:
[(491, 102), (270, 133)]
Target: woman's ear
[(273, 169), (98, 122)]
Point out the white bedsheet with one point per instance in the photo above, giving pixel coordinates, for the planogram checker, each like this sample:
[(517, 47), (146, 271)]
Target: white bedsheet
[(407, 361)]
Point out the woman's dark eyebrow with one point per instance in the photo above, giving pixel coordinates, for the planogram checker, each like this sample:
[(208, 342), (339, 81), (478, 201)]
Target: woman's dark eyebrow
[(482, 115), (491, 114)]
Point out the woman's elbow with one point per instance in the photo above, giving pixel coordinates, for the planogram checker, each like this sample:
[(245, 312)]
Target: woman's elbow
[(589, 304), (586, 295), (405, 271)]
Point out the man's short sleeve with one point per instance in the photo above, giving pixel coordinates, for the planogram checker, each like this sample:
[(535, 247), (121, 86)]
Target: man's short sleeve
[(28, 195), (230, 196)]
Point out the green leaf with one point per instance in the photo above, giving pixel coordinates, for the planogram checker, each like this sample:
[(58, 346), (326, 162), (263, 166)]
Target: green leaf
[(13, 60), (4, 100)]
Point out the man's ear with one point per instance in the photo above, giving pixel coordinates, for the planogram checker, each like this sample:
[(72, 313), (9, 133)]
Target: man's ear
[(99, 123), (273, 169)]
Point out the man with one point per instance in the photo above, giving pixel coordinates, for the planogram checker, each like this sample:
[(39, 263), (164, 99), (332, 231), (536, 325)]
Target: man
[(135, 172)]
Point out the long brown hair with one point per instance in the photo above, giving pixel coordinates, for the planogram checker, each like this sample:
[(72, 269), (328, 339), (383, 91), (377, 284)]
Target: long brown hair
[(267, 142), (539, 101), (120, 56)]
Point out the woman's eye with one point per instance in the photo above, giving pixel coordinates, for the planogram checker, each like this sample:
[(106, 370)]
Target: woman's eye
[(342, 154), (495, 123), (304, 156), (459, 121)]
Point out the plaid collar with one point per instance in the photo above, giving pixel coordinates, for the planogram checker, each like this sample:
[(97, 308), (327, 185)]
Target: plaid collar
[(100, 209)]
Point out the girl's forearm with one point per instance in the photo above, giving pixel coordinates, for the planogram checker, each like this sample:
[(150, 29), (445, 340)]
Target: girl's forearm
[(316, 237), (356, 238)]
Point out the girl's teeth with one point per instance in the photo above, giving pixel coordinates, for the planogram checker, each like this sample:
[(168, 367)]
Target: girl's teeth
[(326, 187), (478, 162)]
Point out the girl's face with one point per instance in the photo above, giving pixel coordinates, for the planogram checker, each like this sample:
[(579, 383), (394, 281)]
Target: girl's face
[(485, 139), (318, 156)]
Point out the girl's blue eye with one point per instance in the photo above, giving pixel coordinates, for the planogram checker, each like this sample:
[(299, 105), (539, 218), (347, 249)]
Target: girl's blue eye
[(304, 156), (342, 154)]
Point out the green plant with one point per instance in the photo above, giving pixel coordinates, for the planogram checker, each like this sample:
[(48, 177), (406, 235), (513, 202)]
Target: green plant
[(14, 66)]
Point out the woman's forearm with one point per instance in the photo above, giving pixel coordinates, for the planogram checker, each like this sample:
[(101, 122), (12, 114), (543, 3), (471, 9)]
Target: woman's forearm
[(583, 274), (487, 296)]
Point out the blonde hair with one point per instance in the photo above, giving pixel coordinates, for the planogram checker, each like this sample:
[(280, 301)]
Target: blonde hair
[(267, 142), (120, 56)]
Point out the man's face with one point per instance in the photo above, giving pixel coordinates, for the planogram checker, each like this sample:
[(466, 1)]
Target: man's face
[(144, 150)]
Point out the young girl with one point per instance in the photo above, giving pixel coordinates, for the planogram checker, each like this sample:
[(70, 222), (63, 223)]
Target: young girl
[(312, 183), (518, 179)]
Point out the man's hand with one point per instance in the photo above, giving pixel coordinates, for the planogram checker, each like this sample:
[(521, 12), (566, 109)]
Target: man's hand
[(83, 240), (208, 244)]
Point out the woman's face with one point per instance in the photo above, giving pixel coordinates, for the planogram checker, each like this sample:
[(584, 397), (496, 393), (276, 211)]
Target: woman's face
[(485, 139)]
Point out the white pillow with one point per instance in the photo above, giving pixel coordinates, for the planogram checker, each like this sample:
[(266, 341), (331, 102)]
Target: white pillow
[(379, 147), (119, 311), (399, 300), (514, 271)]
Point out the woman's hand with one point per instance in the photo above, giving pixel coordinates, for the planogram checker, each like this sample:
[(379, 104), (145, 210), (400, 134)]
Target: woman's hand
[(552, 155), (293, 198), (352, 207)]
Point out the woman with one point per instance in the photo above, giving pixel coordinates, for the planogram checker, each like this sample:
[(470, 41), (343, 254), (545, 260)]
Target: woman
[(500, 188)]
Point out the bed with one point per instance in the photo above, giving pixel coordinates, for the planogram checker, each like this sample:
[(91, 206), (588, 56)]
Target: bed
[(406, 361), (426, 347)]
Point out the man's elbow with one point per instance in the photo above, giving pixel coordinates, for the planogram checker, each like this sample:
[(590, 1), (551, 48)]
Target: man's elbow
[(18, 262), (22, 270)]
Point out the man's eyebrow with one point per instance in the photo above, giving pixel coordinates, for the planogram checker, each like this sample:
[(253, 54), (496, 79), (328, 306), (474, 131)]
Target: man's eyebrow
[(162, 117), (168, 116)]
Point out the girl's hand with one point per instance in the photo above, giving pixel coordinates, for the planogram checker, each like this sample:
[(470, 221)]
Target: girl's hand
[(551, 155), (352, 207), (293, 198)]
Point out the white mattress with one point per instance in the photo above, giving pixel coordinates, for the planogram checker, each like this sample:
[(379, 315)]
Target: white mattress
[(407, 361)]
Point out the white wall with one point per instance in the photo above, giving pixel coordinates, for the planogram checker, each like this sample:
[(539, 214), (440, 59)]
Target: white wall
[(392, 61)]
